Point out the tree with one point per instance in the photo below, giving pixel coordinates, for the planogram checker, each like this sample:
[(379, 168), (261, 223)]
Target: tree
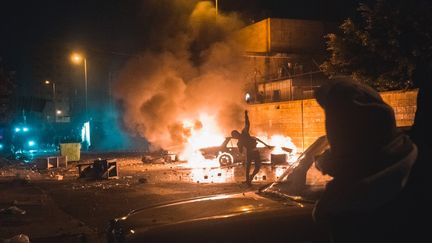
[(384, 44), (389, 46)]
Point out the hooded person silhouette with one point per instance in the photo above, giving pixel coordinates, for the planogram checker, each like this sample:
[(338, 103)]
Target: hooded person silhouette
[(370, 162)]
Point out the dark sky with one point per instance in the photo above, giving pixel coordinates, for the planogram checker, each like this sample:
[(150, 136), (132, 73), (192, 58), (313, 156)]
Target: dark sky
[(121, 25), (112, 27)]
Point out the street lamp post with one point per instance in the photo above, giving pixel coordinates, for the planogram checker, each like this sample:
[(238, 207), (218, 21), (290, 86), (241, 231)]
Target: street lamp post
[(48, 82), (86, 82), (77, 59), (216, 5)]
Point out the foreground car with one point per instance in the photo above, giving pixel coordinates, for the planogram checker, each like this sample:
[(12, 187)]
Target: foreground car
[(228, 152), (279, 212)]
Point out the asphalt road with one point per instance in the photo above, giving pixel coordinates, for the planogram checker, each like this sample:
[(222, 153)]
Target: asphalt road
[(60, 207)]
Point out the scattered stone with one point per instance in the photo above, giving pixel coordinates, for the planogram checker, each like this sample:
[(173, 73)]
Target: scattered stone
[(147, 159), (59, 177), (21, 238), (12, 210)]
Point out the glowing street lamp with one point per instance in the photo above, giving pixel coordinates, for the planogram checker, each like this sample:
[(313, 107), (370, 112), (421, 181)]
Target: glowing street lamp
[(48, 82), (77, 58)]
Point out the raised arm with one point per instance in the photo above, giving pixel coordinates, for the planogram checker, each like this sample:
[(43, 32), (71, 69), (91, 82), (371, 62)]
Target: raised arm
[(247, 123)]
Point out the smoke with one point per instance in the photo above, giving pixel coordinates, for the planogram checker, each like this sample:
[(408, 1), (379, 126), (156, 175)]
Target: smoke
[(194, 67)]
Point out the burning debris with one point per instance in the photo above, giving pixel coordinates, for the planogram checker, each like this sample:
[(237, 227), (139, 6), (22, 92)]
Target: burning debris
[(284, 149)]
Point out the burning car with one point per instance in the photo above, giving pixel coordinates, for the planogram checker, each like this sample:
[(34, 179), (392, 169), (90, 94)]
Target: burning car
[(278, 212), (228, 152)]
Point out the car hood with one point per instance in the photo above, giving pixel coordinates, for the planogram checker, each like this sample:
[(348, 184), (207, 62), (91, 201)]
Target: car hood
[(205, 208)]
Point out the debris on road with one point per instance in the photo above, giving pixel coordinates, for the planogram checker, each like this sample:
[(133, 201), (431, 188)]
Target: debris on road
[(160, 157), (12, 210), (99, 169), (51, 162), (21, 238)]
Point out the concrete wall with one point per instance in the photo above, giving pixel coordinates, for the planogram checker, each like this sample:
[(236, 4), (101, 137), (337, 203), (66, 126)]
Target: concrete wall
[(284, 35), (303, 120), (255, 37)]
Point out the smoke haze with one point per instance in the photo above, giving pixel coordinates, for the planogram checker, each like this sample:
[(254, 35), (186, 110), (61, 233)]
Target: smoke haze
[(192, 67)]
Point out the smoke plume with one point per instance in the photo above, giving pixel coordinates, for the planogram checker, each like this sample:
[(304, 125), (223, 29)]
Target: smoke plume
[(192, 67)]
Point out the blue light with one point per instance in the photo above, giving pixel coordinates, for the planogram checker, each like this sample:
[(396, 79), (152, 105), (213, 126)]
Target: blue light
[(85, 133), (31, 143), (1, 146), (17, 129), (25, 129)]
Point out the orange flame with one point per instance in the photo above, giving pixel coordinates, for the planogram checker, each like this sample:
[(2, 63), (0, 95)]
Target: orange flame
[(280, 141), (206, 135)]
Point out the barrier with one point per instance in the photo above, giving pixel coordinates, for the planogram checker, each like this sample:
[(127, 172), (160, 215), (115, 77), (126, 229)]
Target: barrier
[(71, 151)]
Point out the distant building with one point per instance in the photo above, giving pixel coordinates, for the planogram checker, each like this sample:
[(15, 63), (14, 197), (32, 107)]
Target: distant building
[(284, 57)]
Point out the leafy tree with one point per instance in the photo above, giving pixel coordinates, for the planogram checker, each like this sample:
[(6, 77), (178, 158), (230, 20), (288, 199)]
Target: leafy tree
[(389, 46), (384, 44)]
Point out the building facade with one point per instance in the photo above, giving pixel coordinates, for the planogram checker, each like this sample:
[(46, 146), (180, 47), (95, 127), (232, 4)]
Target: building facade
[(284, 57)]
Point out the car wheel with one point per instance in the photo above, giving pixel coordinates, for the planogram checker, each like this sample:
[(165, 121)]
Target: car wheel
[(225, 159)]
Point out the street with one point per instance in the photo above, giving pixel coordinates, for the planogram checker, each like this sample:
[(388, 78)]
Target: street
[(61, 207)]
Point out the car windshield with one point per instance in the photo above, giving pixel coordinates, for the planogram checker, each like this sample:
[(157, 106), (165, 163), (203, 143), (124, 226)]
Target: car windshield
[(301, 181)]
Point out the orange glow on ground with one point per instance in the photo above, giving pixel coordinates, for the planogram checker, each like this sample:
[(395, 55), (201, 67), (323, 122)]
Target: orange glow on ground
[(204, 132)]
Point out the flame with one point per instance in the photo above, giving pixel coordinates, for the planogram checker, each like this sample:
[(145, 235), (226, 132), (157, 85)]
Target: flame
[(279, 141), (203, 133)]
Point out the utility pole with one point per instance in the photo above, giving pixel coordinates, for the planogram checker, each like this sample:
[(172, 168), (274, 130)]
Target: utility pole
[(216, 5)]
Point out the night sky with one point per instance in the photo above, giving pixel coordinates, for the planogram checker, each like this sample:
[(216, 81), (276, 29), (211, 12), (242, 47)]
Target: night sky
[(124, 26)]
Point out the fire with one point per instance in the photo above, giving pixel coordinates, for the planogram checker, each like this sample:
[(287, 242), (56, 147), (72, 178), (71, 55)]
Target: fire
[(203, 133), (279, 142)]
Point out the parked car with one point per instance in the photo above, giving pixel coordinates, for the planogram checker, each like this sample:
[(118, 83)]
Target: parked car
[(228, 152), (278, 212)]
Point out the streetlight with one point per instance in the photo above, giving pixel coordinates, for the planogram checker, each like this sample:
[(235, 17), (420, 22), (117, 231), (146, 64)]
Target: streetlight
[(47, 82), (77, 58)]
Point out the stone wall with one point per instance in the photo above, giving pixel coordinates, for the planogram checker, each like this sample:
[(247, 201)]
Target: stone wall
[(303, 120)]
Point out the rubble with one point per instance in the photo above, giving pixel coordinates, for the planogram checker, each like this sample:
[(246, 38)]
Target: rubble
[(21, 238), (12, 210), (51, 162), (159, 157), (99, 169)]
